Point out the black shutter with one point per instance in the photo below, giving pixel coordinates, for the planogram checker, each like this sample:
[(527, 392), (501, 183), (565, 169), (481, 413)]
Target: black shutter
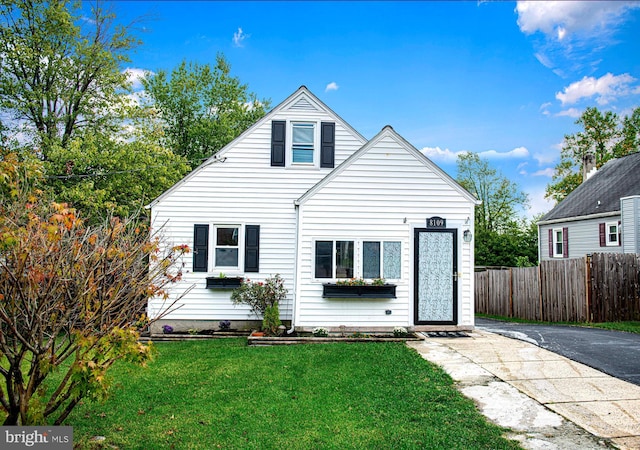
[(550, 243), (200, 248), (603, 236), (327, 144), (252, 248), (278, 134), (565, 242)]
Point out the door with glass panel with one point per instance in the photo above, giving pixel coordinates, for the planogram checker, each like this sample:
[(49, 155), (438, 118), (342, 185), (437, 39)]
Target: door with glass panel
[(435, 276)]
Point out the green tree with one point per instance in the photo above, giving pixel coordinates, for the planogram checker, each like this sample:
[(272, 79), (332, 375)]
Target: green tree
[(605, 135), (202, 108), (102, 176), (500, 234), (59, 70), (500, 197)]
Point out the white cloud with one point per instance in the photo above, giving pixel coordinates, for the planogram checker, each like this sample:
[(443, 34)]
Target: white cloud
[(537, 203), (558, 19), (571, 112), (607, 88), (450, 156), (519, 152), (135, 75), (438, 154), (333, 86), (548, 172), (239, 37), (544, 158)]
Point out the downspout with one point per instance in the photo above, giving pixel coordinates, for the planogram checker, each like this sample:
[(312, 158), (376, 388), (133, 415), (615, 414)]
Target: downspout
[(295, 269)]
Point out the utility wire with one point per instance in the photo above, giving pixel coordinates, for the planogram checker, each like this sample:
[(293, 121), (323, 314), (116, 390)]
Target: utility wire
[(140, 169)]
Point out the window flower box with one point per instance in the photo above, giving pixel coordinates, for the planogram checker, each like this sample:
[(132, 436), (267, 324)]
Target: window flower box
[(332, 290), (223, 283)]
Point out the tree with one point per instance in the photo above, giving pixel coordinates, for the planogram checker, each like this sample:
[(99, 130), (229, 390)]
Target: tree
[(102, 176), (516, 246), (59, 70), (499, 232), (72, 300), (604, 135), (202, 108), (500, 197)]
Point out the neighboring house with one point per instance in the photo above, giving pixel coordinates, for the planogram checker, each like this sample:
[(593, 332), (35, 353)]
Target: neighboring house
[(600, 215), (304, 195)]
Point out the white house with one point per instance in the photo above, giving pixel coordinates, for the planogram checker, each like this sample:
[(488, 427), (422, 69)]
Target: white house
[(601, 215), (304, 195)]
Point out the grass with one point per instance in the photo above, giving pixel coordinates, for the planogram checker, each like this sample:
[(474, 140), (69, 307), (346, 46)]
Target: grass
[(224, 394), (630, 326)]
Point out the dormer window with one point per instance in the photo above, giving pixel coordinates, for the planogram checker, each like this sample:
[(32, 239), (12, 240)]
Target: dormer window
[(302, 143), (299, 143)]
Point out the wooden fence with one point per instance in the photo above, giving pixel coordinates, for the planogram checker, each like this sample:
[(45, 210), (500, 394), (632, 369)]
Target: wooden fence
[(603, 287)]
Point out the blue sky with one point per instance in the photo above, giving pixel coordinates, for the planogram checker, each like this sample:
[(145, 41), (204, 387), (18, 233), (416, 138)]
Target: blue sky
[(504, 79)]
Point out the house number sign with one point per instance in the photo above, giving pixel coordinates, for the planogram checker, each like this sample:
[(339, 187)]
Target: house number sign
[(436, 222)]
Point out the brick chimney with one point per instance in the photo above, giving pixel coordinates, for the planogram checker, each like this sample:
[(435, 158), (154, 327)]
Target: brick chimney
[(588, 165)]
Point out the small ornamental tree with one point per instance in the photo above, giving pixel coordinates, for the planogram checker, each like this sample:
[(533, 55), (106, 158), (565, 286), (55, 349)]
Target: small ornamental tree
[(72, 300), (263, 297)]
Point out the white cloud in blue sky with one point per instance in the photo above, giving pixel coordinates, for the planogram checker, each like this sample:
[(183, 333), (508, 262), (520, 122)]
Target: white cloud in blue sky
[(605, 89), (239, 37), (333, 86), (572, 32), (563, 19), (135, 76)]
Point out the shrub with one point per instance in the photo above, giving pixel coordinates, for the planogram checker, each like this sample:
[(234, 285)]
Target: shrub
[(260, 295), (271, 321)]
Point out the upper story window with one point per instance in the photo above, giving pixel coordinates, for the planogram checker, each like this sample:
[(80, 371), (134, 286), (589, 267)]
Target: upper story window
[(302, 143)]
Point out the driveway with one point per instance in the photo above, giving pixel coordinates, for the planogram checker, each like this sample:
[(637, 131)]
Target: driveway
[(613, 352)]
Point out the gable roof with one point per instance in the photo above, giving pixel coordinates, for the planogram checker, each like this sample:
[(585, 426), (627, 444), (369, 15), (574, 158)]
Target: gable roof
[(388, 131), (601, 193), (301, 99)]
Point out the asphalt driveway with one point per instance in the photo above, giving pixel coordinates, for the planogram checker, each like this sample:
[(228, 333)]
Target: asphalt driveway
[(613, 352)]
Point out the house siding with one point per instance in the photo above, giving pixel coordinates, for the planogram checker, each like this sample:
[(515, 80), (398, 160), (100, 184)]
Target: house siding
[(584, 237), (242, 188), (630, 207), (390, 193)]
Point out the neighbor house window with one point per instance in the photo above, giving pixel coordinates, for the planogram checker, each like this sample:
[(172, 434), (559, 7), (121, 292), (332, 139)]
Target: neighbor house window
[(381, 259), (612, 233), (334, 259), (302, 143), (558, 247), (226, 246)]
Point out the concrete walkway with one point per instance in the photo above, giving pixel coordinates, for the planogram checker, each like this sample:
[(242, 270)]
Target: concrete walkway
[(547, 400)]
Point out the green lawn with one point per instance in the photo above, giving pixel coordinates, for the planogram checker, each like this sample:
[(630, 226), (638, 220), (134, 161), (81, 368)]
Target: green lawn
[(224, 394), (630, 326)]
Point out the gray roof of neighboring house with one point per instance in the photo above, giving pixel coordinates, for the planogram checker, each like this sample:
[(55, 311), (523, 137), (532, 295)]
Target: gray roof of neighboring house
[(602, 192)]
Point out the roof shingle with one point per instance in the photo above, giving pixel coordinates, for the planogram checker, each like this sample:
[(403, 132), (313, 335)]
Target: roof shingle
[(602, 192)]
